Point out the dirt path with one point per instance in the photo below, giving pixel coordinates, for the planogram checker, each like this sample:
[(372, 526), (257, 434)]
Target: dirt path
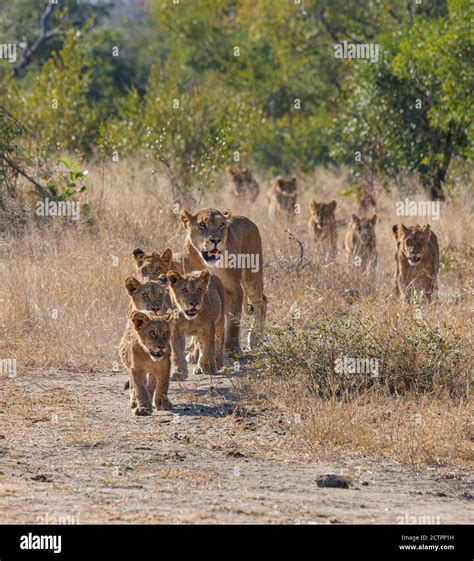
[(71, 452)]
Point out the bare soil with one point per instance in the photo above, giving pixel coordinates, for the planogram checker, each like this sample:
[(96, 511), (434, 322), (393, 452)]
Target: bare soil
[(71, 452)]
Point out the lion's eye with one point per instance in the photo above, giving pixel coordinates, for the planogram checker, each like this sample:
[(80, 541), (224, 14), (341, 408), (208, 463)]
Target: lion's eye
[(166, 334), (185, 290), (222, 225), (199, 290), (145, 297), (144, 271), (202, 224)]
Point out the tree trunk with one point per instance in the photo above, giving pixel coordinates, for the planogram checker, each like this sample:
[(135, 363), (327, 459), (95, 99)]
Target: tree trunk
[(436, 191)]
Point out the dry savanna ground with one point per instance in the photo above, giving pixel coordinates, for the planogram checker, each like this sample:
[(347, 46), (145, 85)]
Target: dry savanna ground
[(249, 445)]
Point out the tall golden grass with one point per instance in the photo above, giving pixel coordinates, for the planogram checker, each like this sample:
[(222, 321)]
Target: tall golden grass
[(63, 305)]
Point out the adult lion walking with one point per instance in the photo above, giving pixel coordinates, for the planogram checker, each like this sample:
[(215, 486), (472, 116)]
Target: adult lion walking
[(231, 248)]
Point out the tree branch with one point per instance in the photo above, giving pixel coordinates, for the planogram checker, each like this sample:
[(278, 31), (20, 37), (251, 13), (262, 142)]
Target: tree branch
[(44, 36)]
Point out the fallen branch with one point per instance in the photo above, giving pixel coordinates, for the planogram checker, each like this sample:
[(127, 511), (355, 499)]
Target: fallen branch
[(299, 265)]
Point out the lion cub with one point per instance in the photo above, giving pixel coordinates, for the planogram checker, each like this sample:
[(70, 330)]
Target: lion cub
[(360, 243), (152, 265), (282, 198), (242, 183), (199, 299), (145, 350), (150, 295), (322, 227), (417, 260)]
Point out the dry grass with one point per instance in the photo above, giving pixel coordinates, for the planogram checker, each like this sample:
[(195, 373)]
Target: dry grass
[(62, 305)]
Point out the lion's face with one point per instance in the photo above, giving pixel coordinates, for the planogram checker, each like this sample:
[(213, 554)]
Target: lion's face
[(412, 241), (285, 192), (154, 333), (238, 178), (208, 230), (152, 265), (189, 291), (365, 229), (149, 295), (323, 214)]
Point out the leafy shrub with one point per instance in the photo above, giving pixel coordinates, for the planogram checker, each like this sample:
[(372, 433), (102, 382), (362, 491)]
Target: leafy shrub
[(411, 356)]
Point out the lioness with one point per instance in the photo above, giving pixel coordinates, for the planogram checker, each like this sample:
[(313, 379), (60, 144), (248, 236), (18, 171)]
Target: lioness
[(360, 243), (417, 260), (322, 227), (242, 183), (282, 198), (199, 298), (145, 350), (152, 265), (231, 247)]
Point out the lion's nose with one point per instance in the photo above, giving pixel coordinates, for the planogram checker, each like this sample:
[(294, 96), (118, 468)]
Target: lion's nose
[(215, 241)]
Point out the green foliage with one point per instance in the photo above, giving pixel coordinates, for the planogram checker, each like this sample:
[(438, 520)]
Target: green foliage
[(412, 112), (10, 155), (71, 182), (56, 107), (202, 84)]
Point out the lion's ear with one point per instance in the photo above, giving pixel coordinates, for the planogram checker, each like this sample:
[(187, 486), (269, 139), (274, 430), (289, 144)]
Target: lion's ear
[(332, 205), (186, 217), (313, 205), (163, 279), (138, 254), (427, 229), (398, 230), (229, 171), (278, 181), (373, 220), (132, 285), (355, 219), (167, 255), (205, 277), (139, 318), (227, 213), (173, 277)]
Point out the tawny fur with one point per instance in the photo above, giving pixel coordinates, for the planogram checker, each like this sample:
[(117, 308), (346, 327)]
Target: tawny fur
[(242, 184), (198, 298), (210, 233), (417, 261), (322, 228), (282, 198), (361, 244), (151, 265), (146, 353)]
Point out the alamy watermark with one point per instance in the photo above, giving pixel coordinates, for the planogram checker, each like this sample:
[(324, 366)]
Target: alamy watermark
[(431, 209), (71, 209), (53, 519), (414, 519), (348, 365), (363, 51), (8, 52), (239, 261), (8, 367)]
